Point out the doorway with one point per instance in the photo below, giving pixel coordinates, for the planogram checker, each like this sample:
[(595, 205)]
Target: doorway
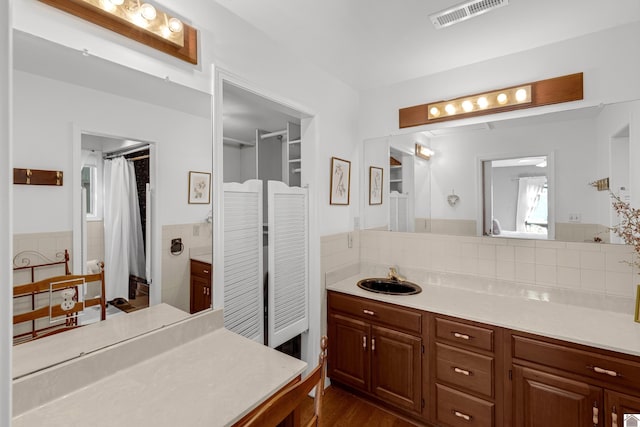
[(116, 216)]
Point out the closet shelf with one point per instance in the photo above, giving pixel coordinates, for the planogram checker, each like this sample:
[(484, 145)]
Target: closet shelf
[(294, 160), (295, 141), (395, 180)]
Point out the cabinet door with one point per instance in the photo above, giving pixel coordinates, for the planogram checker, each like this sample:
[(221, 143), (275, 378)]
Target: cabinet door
[(621, 410), (547, 400), (200, 294), (396, 368), (349, 351)]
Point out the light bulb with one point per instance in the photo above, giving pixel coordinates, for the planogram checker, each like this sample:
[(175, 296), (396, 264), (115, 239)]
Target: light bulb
[(116, 2), (434, 111), (450, 109), (482, 102), (467, 105), (502, 98), (148, 12), (521, 95), (175, 25)]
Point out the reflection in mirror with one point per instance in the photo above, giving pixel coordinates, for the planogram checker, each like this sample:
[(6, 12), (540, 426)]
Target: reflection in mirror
[(516, 197), (71, 113), (582, 146)]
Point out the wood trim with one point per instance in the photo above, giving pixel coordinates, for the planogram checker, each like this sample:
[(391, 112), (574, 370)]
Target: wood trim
[(291, 420), (543, 92), (188, 53)]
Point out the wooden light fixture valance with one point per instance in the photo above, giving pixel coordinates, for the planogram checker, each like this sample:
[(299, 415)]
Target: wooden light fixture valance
[(139, 21), (528, 95)]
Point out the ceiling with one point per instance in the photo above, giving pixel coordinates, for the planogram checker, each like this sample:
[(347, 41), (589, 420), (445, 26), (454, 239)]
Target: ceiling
[(370, 43)]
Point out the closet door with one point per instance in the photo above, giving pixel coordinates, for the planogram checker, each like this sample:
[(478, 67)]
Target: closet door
[(288, 293), (243, 280)]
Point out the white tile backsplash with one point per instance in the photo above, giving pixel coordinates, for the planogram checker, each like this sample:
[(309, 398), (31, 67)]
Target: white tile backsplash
[(594, 267)]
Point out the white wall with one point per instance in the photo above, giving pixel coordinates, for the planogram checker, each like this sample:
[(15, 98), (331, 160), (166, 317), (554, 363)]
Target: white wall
[(610, 75), (183, 143)]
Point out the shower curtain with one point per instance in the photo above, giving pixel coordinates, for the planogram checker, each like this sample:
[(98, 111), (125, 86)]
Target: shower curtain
[(124, 247)]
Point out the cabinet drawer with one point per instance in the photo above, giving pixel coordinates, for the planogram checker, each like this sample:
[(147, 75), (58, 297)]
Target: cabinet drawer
[(397, 317), (603, 367), (462, 368), (458, 409), (465, 335), (201, 269)]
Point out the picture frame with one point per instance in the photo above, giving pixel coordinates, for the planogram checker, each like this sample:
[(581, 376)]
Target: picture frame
[(199, 188), (340, 181), (376, 175), (637, 314)]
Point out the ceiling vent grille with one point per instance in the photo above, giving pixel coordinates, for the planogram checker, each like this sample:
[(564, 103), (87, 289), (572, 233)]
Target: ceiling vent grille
[(464, 11)]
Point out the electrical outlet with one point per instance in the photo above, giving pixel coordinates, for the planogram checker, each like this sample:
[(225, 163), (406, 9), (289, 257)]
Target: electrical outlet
[(575, 217)]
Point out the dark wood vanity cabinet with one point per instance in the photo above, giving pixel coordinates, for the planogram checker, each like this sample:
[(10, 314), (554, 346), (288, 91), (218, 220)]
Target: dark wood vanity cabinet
[(200, 286), (465, 382), (556, 383), (376, 349), (474, 374)]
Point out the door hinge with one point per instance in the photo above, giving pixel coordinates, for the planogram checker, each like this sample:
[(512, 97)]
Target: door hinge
[(510, 375)]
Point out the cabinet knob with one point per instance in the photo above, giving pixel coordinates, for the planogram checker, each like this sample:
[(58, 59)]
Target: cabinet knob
[(373, 344), (614, 417), (364, 342), (462, 415), (595, 414), (461, 336)]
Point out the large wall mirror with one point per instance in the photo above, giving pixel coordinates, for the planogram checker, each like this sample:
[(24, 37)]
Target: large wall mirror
[(531, 177), (105, 127)]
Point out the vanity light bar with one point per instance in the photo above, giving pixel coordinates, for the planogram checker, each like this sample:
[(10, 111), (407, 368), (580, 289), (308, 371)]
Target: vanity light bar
[(486, 101), (423, 152), (137, 20), (144, 16), (527, 95)]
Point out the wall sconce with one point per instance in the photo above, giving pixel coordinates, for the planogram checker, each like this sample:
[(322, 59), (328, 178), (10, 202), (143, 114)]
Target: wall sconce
[(423, 152), (137, 20), (528, 95)]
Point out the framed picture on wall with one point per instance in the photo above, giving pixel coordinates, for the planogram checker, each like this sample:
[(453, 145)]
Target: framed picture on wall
[(375, 185), (340, 181), (199, 188)]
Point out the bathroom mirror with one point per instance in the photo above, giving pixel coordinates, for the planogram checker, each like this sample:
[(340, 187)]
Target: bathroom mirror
[(72, 112), (581, 146)]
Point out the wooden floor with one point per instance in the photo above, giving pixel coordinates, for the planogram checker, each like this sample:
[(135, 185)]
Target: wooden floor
[(341, 408)]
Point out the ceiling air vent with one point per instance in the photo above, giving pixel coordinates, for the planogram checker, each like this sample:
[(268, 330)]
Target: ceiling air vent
[(464, 11)]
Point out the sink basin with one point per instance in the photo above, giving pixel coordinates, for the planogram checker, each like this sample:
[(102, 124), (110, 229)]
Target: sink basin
[(389, 286)]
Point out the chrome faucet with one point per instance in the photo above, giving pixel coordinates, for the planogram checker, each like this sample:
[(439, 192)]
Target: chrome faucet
[(394, 275)]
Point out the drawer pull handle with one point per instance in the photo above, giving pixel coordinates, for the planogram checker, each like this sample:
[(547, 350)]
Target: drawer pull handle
[(600, 370), (373, 344), (461, 371), (461, 336), (205, 271), (614, 417), (596, 417), (364, 342), (369, 312), (462, 415)]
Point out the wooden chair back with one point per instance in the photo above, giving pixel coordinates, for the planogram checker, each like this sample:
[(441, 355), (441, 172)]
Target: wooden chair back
[(64, 307), (279, 406)]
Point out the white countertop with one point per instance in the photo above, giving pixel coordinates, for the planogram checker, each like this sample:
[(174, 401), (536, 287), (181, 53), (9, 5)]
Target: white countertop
[(38, 354), (206, 258), (213, 380), (521, 310)]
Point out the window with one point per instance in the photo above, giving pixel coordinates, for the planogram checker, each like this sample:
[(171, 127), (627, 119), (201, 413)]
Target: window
[(89, 183)]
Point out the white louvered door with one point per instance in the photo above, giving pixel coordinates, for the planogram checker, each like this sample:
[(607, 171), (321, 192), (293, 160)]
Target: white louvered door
[(288, 295), (243, 277), (398, 211)]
